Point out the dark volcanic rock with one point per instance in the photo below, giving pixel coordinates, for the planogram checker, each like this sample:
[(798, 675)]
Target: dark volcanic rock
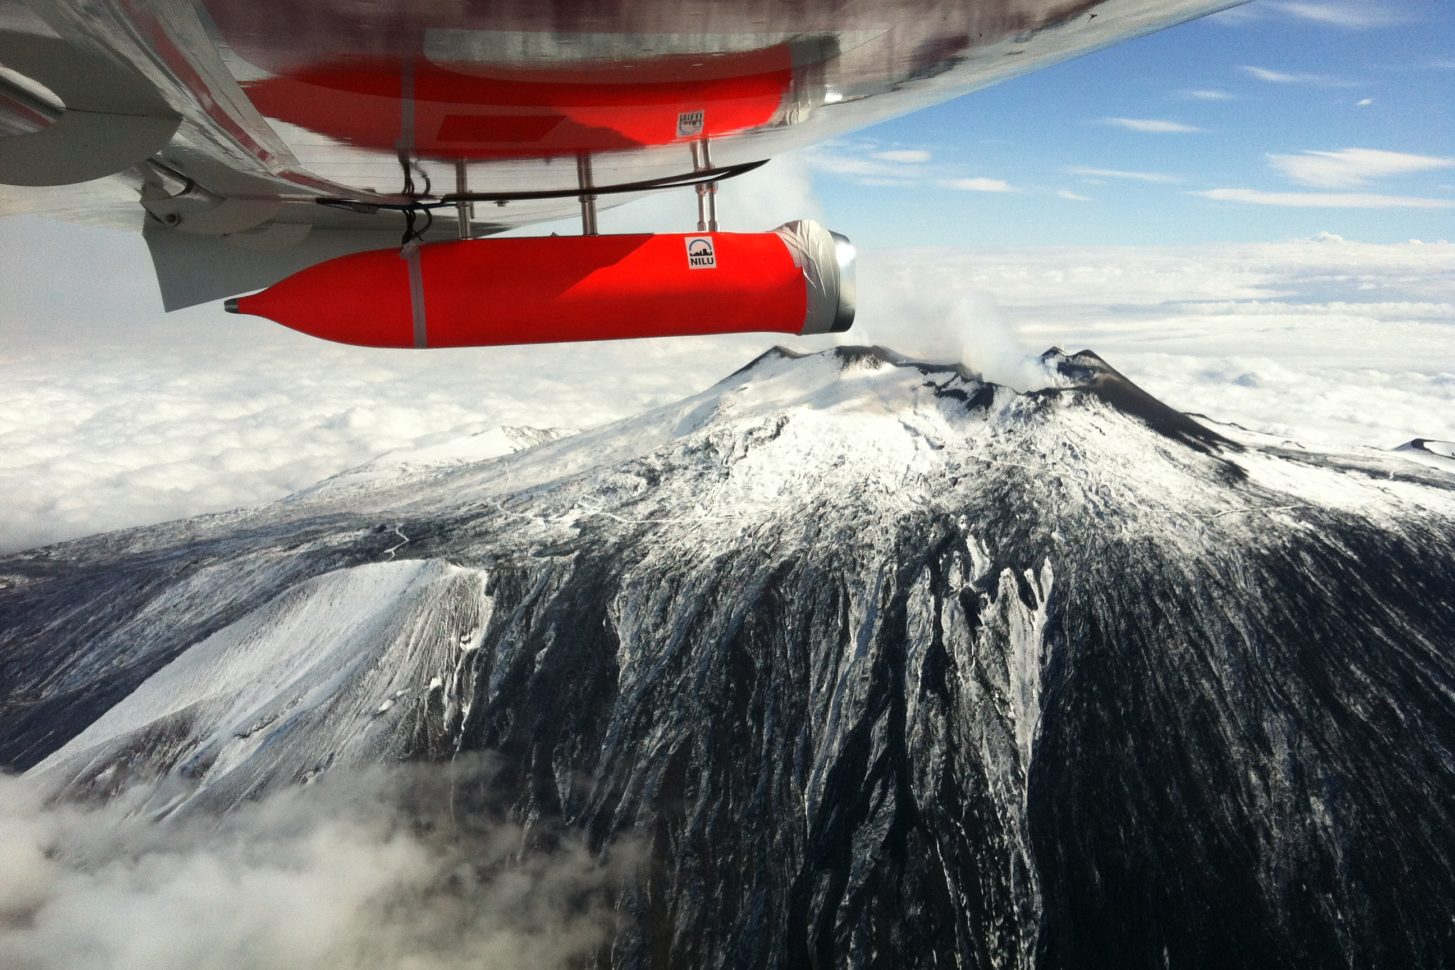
[(885, 665)]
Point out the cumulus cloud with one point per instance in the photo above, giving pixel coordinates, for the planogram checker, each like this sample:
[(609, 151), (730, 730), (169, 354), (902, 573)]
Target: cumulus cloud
[(1152, 125), (1326, 200), (371, 870), (1353, 167), (1118, 173)]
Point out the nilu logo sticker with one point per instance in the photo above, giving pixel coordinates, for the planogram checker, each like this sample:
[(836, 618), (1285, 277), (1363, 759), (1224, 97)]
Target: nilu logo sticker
[(689, 123), (700, 254)]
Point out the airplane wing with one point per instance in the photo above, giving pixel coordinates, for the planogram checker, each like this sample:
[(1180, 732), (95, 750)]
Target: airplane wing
[(251, 139)]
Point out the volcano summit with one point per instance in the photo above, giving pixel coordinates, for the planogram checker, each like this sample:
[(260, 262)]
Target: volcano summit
[(878, 663)]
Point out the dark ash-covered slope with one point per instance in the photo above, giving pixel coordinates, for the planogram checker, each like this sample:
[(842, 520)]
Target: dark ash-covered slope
[(885, 665)]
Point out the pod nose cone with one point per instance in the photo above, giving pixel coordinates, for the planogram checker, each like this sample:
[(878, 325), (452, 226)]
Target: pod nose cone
[(231, 306)]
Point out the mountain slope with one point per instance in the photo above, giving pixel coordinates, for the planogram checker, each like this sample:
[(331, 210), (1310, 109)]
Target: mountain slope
[(876, 658), (1437, 454)]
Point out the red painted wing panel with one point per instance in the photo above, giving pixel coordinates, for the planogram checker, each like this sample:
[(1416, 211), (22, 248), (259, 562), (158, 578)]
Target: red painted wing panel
[(450, 114)]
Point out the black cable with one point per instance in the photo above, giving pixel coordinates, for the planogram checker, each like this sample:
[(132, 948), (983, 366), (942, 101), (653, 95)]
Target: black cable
[(408, 192), (646, 185), (411, 234)]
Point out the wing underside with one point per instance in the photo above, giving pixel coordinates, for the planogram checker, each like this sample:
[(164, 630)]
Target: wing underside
[(219, 126)]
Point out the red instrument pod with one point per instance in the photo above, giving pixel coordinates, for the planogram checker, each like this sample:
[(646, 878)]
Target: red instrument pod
[(795, 279)]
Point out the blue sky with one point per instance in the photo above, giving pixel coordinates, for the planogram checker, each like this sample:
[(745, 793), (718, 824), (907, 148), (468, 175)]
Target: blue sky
[(1308, 117)]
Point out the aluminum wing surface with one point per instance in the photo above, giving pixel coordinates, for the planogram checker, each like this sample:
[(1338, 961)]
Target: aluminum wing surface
[(217, 126)]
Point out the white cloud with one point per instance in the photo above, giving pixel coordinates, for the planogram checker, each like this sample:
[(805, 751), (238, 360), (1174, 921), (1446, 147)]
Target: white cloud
[(1347, 14), (178, 417), (127, 417), (1324, 341), (867, 162), (1363, 102), (977, 185), (1277, 77), (1353, 167), (904, 156), (943, 324), (1293, 77), (1070, 196), (1326, 200), (1117, 173), (1208, 94), (1152, 125), (1237, 16), (350, 872), (113, 414), (1350, 15)]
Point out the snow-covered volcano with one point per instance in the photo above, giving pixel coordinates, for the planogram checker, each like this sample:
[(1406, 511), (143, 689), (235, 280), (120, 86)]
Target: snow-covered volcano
[(884, 664), (1438, 454)]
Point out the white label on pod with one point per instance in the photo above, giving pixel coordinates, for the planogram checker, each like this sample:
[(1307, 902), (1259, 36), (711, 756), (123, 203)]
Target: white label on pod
[(689, 123), (700, 253)]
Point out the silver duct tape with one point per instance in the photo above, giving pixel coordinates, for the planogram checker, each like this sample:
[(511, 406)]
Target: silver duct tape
[(416, 294), (827, 261)]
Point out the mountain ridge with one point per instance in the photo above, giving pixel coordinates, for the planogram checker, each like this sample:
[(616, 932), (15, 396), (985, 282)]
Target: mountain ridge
[(873, 656)]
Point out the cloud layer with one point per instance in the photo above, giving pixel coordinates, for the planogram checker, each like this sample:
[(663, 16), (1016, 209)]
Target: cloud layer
[(1323, 341), (121, 416), (365, 871)]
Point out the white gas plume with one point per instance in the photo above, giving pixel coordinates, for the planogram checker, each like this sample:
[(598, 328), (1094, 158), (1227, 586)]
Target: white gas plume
[(944, 325)]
